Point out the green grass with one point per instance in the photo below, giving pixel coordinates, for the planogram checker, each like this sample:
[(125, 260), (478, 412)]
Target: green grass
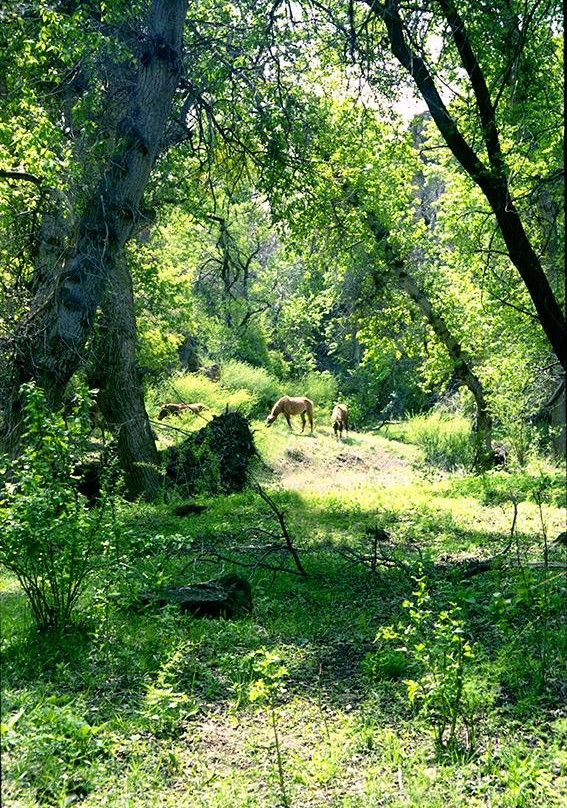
[(445, 439), (194, 387), (242, 387), (144, 707)]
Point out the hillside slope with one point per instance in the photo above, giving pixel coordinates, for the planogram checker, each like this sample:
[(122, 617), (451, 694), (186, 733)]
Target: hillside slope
[(320, 462)]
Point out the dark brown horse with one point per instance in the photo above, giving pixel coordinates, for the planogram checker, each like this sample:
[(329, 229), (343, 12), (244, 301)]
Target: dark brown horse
[(339, 419), (292, 406), (177, 409)]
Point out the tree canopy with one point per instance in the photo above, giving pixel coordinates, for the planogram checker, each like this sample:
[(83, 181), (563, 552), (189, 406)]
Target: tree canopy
[(242, 179)]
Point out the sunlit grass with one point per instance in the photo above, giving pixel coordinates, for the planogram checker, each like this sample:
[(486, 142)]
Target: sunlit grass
[(145, 706)]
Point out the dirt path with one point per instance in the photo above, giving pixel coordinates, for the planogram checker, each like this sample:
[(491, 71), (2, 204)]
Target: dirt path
[(321, 463)]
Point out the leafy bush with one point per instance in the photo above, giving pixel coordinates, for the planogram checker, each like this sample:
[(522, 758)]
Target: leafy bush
[(157, 351), (515, 395), (383, 387), (278, 365), (320, 387), (241, 400), (496, 487), (50, 748), (250, 347), (194, 387), (188, 388), (437, 655), (166, 706), (52, 541), (446, 440), (268, 683), (264, 388)]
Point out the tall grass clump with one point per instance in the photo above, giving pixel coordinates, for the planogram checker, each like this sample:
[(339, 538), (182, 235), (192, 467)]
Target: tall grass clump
[(263, 388), (446, 440), (190, 388)]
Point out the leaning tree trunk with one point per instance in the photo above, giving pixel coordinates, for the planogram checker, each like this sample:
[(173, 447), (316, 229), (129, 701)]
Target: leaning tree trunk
[(461, 367), (483, 425), (120, 397), (50, 340), (492, 178)]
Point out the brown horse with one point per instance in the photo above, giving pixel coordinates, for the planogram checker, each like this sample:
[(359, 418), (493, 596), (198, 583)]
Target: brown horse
[(177, 409), (339, 419), (292, 406)]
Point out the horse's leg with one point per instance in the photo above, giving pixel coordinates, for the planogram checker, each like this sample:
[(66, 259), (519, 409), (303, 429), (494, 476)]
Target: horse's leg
[(287, 418), (303, 421)]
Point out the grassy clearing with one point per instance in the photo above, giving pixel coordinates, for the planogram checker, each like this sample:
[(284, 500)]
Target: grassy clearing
[(145, 707)]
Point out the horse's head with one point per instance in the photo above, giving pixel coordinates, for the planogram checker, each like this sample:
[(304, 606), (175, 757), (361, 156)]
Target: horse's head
[(270, 420)]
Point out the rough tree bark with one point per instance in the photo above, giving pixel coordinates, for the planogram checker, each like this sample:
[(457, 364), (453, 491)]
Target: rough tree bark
[(120, 397), (49, 342), (492, 179)]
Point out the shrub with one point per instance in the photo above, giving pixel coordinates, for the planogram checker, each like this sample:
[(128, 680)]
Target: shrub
[(270, 676), (278, 365), (529, 485), (250, 347), (383, 388), (437, 659), (192, 387), (320, 387), (166, 706), (188, 387), (446, 440), (52, 541), (53, 750), (264, 389)]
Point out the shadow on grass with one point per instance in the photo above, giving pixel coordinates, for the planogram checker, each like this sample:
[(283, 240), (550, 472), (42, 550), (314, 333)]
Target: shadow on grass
[(322, 626), (32, 655)]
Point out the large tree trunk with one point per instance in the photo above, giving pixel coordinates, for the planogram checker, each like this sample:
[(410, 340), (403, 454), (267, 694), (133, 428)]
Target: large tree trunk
[(50, 340), (120, 397), (491, 178)]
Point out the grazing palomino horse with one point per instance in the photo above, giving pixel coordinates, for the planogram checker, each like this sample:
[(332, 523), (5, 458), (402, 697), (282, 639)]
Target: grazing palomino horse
[(177, 409), (339, 419), (292, 406)]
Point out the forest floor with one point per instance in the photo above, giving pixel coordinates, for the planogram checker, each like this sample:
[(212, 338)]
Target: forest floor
[(296, 704)]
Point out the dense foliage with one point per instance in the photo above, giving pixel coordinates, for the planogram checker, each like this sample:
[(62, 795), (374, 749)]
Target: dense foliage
[(220, 204), (53, 542), (254, 243)]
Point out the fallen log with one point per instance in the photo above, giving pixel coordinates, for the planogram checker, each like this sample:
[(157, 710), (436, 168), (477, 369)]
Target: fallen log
[(229, 596), (477, 567)]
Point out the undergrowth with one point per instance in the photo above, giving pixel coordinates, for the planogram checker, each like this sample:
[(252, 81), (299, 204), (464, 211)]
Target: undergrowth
[(445, 439), (460, 702)]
